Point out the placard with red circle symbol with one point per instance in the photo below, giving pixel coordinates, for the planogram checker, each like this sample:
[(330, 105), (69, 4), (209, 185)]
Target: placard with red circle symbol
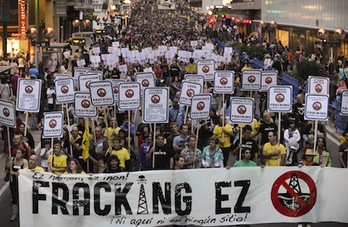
[(146, 79), (129, 96), (194, 78), (344, 103), (7, 114), (318, 85), (268, 78), (156, 105), (280, 98), (242, 110), (115, 84), (101, 93), (294, 194), (53, 124), (206, 68), (317, 107), (200, 107), (83, 105), (85, 80), (64, 90), (251, 80), (223, 82), (28, 95), (189, 89)]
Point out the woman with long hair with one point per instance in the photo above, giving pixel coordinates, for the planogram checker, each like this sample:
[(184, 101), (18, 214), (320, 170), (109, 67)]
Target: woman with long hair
[(74, 167)]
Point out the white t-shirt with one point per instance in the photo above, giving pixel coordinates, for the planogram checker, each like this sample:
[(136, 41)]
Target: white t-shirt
[(44, 159), (50, 92)]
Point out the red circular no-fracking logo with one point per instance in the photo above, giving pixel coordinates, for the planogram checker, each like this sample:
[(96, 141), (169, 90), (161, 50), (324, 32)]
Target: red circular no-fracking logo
[(241, 109), (280, 97), (268, 80), (190, 92), (155, 99), (129, 93), (318, 88), (85, 103), (64, 89), (316, 106), (101, 92), (6, 112), (200, 106), (205, 69), (294, 194), (52, 123), (251, 79), (223, 81), (115, 90), (88, 82), (145, 83), (29, 89)]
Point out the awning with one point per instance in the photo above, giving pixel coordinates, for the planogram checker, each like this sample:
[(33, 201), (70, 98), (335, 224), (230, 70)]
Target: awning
[(4, 68)]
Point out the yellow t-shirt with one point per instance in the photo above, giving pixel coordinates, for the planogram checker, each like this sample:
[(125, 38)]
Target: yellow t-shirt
[(58, 162), (227, 139), (274, 160), (255, 125), (191, 68), (122, 155), (37, 168)]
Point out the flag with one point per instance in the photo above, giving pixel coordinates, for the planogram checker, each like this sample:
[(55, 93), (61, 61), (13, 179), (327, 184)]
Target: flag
[(86, 141)]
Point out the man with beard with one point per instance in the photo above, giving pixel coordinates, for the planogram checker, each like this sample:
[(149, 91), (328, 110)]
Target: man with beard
[(160, 154)]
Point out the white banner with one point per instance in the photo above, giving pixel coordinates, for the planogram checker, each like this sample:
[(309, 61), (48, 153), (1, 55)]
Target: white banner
[(268, 78), (280, 98), (129, 96), (7, 114), (83, 105), (64, 90), (28, 95), (251, 80), (188, 89), (223, 82), (156, 108), (206, 68), (53, 125), (242, 110), (200, 107), (202, 197), (318, 85), (85, 79), (317, 107), (101, 93)]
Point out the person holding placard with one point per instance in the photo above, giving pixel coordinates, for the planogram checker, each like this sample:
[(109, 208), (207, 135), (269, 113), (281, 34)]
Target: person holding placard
[(192, 155), (273, 152), (121, 152), (180, 140), (57, 162), (322, 156), (97, 150), (223, 134), (266, 126), (292, 137), (160, 154), (73, 146)]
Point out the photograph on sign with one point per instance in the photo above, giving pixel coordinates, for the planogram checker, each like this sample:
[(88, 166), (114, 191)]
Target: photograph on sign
[(318, 85), (280, 99), (64, 90), (28, 95), (51, 62), (268, 78), (344, 103), (7, 114), (242, 110), (145, 80), (85, 79), (115, 84), (101, 93), (156, 105), (206, 68), (200, 107), (83, 105), (129, 96), (251, 80), (194, 78), (188, 89), (53, 124), (317, 107), (223, 82)]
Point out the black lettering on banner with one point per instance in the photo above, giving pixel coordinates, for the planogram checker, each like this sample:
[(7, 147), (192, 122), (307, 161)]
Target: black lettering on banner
[(121, 198), (219, 197), (97, 209), (85, 202), (157, 194), (238, 208), (57, 201), (185, 199), (36, 196)]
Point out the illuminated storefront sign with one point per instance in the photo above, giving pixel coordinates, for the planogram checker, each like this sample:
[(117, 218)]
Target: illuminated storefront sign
[(22, 18)]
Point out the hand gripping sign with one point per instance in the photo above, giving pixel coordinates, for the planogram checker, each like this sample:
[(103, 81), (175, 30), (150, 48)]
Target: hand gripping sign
[(200, 106), (206, 68), (189, 89), (28, 95), (251, 80), (53, 125), (242, 110), (223, 82), (101, 93), (280, 98), (317, 107), (64, 90), (155, 107)]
